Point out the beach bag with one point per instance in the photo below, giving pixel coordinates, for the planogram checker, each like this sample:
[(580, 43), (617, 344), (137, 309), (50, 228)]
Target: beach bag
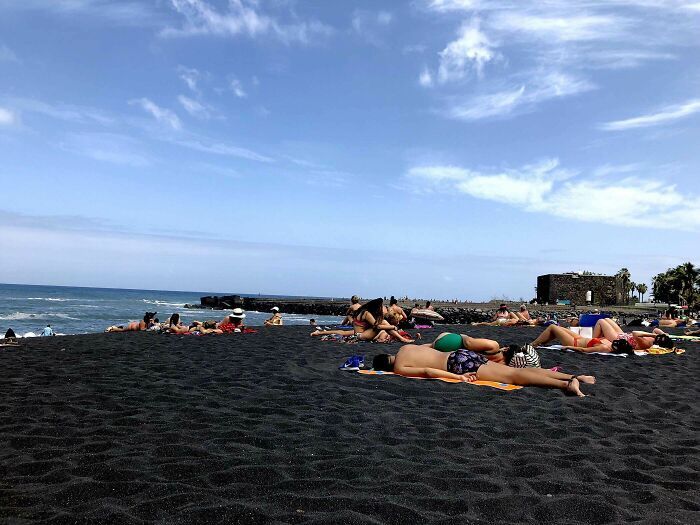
[(526, 357)]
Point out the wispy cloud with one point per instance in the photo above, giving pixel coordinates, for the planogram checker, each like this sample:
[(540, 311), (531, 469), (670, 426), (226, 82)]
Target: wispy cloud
[(66, 112), (370, 24), (194, 107), (517, 100), (545, 187), (7, 117), (106, 147), (190, 77), (7, 55), (472, 50), (237, 88), (162, 115), (242, 18), (218, 148), (123, 12), (425, 78), (664, 116)]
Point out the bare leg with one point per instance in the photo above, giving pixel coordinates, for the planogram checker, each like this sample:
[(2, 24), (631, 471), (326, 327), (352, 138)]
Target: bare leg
[(606, 328), (479, 345), (332, 332), (565, 337), (532, 377), (396, 335)]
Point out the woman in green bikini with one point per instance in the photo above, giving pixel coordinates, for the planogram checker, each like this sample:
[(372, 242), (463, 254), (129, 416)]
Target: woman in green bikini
[(450, 342)]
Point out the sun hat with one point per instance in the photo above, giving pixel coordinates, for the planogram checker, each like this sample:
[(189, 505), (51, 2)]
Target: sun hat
[(237, 313), (275, 309)]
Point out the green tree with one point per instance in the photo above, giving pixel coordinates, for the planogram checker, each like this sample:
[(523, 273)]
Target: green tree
[(623, 279), (642, 289)]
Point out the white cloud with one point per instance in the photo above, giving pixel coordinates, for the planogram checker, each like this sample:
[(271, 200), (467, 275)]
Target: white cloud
[(237, 88), (7, 117), (547, 188), (217, 148), (242, 18), (370, 24), (665, 116), (452, 5), (518, 100), (472, 50), (162, 115), (190, 77), (7, 55), (106, 147), (568, 27), (194, 107), (426, 78), (66, 112)]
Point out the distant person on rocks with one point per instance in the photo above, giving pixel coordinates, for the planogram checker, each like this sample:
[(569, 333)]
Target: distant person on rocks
[(429, 306), (312, 322), (468, 366), (276, 319), (136, 326), (47, 332), (354, 306)]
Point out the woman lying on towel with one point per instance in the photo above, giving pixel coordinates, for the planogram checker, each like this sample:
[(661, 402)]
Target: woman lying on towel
[(136, 326), (468, 366), (608, 337), (449, 342)]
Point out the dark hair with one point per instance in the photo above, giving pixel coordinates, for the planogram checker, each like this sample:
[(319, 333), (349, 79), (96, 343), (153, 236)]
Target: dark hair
[(375, 307), (148, 316), (664, 341), (503, 307), (622, 346), (382, 363), (512, 350), (354, 299), (392, 301), (427, 303), (174, 319)]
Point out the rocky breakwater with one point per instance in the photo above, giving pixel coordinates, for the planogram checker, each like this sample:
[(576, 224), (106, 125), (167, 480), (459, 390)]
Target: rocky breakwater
[(264, 304)]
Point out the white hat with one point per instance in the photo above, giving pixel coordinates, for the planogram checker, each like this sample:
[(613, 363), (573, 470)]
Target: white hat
[(237, 313), (274, 309)]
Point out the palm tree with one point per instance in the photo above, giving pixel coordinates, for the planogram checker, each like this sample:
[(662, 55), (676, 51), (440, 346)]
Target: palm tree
[(687, 275), (623, 278), (631, 287), (642, 289)]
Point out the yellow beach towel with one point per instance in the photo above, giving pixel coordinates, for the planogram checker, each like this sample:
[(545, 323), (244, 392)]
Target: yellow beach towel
[(492, 384)]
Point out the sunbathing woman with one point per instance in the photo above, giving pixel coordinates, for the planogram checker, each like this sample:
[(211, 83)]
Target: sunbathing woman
[(468, 366), (450, 342), (638, 340), (136, 326), (573, 341), (369, 324), (175, 326)]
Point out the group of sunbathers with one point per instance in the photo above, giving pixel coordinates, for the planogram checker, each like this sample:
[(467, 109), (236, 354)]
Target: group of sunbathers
[(504, 317), (231, 323)]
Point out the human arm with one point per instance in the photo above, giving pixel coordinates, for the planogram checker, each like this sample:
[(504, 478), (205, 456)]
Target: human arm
[(433, 373), (638, 333), (585, 349)]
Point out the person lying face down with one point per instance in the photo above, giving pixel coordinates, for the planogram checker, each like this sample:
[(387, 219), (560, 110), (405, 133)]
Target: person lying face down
[(450, 342), (467, 366)]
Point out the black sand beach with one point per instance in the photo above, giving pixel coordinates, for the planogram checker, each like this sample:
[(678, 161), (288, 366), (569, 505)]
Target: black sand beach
[(263, 428)]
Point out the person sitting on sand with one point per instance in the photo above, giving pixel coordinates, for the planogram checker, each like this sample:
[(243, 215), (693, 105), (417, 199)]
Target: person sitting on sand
[(502, 317), (429, 306), (670, 319), (369, 324), (206, 327), (354, 306), (396, 310), (451, 342), (524, 317), (276, 319), (174, 326), (136, 326), (233, 322), (468, 366)]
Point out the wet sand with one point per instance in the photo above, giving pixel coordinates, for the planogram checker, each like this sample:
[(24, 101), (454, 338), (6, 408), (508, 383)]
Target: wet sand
[(264, 428)]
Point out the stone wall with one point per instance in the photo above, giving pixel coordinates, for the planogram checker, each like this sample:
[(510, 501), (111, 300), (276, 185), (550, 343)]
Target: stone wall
[(573, 287)]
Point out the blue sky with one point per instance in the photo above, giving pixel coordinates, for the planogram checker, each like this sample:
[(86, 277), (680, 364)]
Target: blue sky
[(434, 148)]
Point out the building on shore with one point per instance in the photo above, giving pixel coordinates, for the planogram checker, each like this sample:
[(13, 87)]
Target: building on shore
[(576, 289)]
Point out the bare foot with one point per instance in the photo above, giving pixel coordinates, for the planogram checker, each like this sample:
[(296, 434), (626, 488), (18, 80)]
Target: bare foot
[(589, 380), (572, 387)]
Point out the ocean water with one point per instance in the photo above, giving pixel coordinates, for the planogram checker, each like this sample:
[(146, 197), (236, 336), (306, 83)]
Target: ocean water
[(72, 310)]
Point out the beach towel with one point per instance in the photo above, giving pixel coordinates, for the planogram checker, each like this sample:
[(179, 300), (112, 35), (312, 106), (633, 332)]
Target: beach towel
[(692, 338), (492, 384)]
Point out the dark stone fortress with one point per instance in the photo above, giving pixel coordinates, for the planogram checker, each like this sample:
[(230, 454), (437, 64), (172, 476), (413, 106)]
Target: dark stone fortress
[(573, 288)]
